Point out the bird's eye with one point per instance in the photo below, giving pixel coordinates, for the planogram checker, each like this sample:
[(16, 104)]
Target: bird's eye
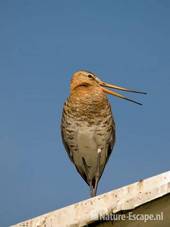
[(90, 76)]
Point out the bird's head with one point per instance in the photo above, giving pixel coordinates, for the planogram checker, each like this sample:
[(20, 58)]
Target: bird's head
[(87, 79)]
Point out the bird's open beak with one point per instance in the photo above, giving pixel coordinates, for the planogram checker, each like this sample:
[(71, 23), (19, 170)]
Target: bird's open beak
[(103, 84)]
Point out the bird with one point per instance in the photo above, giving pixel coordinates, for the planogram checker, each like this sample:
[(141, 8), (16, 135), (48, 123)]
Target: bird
[(87, 126)]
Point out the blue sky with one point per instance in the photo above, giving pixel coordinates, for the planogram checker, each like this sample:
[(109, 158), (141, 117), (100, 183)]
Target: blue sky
[(41, 44)]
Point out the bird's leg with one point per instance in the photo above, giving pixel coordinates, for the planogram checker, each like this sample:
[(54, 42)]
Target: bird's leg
[(92, 192), (93, 184), (93, 188), (97, 170)]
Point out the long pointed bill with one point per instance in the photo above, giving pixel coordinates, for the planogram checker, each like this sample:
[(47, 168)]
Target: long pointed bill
[(122, 89)]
